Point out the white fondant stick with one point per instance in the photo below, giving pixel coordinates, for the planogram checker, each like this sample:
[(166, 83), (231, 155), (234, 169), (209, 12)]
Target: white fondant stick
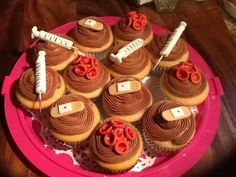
[(126, 50), (169, 45), (40, 87), (43, 35)]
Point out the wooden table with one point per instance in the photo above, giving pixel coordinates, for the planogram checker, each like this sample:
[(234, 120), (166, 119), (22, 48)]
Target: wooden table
[(206, 32)]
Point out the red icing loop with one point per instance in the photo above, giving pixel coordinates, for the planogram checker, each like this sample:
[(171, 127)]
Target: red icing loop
[(129, 133), (80, 69), (117, 123), (137, 25), (182, 74), (92, 73), (195, 77), (121, 147), (119, 133), (77, 60), (94, 62), (110, 139), (125, 22), (105, 129)]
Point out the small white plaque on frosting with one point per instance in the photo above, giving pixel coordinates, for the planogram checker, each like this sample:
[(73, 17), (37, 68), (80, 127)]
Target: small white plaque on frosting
[(124, 86), (63, 108), (90, 22), (177, 112)]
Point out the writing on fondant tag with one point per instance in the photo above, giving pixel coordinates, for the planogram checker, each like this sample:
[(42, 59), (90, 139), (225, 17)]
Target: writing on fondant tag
[(91, 24), (177, 113), (124, 87), (67, 109)]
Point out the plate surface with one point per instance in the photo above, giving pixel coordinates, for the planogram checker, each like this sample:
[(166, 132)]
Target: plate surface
[(22, 128)]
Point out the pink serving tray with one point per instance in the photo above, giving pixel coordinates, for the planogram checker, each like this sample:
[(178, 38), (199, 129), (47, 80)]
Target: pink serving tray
[(45, 159)]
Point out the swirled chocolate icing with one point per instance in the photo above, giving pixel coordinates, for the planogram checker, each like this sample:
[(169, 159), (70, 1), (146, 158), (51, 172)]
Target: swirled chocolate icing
[(83, 84), (130, 34), (107, 154), (91, 38), (182, 88), (76, 123), (179, 49), (178, 131), (132, 64), (54, 53), (128, 103), (27, 83)]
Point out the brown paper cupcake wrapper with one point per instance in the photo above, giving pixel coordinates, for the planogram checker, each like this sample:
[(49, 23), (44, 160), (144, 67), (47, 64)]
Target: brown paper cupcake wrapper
[(100, 55)]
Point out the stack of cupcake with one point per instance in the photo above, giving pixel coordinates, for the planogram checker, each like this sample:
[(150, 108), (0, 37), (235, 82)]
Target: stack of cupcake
[(113, 73)]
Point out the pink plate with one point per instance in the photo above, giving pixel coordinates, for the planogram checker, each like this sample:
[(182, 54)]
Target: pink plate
[(45, 159)]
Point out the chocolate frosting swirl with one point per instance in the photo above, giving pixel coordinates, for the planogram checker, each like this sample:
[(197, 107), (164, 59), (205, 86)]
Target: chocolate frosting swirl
[(179, 49), (27, 83), (130, 34), (91, 38), (104, 153), (81, 83), (182, 88), (73, 124), (132, 64), (129, 103), (178, 131), (54, 53)]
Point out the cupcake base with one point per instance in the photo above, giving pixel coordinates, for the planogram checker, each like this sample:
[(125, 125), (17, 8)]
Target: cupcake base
[(194, 100)]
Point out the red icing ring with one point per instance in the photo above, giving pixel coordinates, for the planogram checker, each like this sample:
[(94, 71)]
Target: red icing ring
[(178, 66), (195, 77), (92, 73), (80, 69), (121, 147), (105, 129), (189, 68), (182, 74), (110, 139), (131, 13), (85, 60), (125, 22), (143, 18), (119, 133), (94, 62), (117, 123), (77, 60), (130, 133), (137, 25)]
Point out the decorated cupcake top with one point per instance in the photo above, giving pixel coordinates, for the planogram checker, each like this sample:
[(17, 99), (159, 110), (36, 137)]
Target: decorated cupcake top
[(27, 83), (126, 96), (55, 53), (115, 141), (169, 121), (184, 80), (71, 115), (132, 64), (91, 32), (158, 43), (86, 74), (133, 25)]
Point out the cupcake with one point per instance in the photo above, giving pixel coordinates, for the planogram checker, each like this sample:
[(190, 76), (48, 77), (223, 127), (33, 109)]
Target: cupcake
[(115, 145), (92, 36), (25, 91), (137, 64), (185, 83), (169, 125), (132, 26), (73, 118), (127, 98), (86, 76), (178, 53), (57, 57)]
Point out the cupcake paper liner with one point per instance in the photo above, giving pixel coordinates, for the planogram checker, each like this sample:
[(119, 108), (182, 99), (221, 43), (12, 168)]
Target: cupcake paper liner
[(100, 55)]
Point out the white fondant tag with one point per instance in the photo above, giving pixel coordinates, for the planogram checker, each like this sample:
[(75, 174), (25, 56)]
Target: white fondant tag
[(177, 112), (123, 86), (63, 108), (90, 22)]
